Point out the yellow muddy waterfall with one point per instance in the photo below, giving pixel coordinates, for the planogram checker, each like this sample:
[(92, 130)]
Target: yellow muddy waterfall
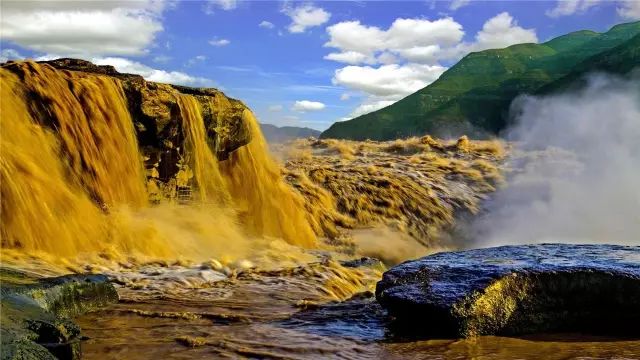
[(95, 131), (73, 179), (199, 155), (267, 205), (42, 209)]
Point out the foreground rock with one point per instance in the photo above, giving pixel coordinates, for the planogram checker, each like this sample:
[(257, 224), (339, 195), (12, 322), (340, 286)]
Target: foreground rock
[(514, 290), (36, 313)]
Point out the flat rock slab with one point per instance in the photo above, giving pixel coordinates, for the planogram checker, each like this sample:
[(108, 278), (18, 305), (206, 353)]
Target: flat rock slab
[(36, 313), (513, 290)]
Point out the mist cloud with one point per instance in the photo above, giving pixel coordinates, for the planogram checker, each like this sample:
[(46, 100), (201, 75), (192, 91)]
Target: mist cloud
[(576, 169)]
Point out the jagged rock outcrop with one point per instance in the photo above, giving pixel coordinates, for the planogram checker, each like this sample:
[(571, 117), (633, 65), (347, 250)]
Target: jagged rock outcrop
[(514, 290), (154, 111), (36, 313)]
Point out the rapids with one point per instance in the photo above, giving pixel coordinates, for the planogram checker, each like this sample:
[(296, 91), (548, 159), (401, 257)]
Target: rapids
[(291, 314), (234, 255)]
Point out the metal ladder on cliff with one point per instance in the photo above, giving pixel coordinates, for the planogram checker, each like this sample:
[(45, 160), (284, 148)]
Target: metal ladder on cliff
[(184, 194)]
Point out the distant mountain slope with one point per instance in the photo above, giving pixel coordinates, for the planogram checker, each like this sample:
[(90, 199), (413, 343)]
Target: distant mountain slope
[(620, 60), (275, 134), (474, 95)]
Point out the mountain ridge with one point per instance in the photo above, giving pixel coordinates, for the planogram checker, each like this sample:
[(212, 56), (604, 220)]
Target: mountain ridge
[(278, 134), (474, 95)]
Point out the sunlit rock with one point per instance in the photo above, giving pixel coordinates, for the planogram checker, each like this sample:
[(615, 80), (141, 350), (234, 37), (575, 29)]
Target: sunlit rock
[(88, 153), (513, 290)]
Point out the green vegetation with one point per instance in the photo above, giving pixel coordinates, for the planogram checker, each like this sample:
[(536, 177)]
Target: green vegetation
[(473, 96)]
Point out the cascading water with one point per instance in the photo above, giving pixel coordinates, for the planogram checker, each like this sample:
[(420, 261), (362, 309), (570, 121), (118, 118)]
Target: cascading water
[(89, 114), (42, 210), (210, 184), (266, 203), (73, 178)]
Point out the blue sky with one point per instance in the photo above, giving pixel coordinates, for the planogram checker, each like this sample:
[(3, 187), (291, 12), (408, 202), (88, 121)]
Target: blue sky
[(294, 63)]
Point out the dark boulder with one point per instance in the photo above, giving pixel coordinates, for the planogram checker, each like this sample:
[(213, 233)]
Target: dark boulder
[(36, 313), (513, 290)]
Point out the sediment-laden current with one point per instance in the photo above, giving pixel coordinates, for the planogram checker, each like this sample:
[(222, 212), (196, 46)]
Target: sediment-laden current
[(216, 248)]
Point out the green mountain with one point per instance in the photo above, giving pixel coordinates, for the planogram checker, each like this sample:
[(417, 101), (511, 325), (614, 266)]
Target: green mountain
[(275, 134), (621, 59), (473, 96)]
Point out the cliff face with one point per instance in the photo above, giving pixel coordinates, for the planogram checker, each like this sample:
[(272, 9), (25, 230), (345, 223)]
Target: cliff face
[(88, 153), (153, 108)]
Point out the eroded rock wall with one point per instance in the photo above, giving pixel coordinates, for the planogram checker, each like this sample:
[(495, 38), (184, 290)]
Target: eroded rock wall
[(155, 113)]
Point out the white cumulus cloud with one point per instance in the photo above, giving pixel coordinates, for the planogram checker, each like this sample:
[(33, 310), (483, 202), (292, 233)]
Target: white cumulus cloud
[(306, 105), (388, 80), (405, 33), (502, 31), (219, 42), (629, 9), (87, 28), (351, 57), (169, 77), (352, 36), (305, 16), (266, 24), (405, 36)]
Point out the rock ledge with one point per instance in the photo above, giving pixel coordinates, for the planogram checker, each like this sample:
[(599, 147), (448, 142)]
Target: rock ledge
[(35, 313)]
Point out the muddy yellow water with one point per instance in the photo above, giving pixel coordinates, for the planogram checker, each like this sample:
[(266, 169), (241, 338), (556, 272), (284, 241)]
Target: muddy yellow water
[(255, 263), (292, 314), (73, 181)]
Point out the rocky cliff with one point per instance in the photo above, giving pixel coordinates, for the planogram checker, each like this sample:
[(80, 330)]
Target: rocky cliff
[(87, 152), (153, 108)]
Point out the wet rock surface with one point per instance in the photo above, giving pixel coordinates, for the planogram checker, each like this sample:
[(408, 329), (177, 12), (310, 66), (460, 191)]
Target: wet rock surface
[(155, 112), (36, 313), (513, 290)]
